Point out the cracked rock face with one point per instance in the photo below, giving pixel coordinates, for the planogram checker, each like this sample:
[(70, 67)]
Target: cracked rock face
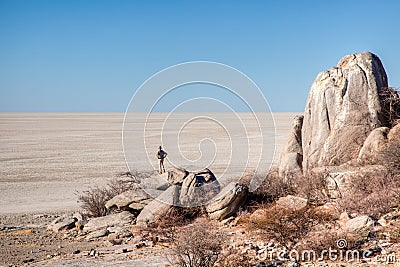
[(342, 108), (291, 159)]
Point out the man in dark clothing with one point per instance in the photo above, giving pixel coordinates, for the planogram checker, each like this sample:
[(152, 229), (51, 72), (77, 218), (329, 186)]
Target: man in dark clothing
[(161, 155)]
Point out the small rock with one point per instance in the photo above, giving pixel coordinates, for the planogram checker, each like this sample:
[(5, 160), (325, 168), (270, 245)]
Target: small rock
[(291, 203), (227, 220), (62, 223), (97, 234), (76, 251), (359, 224), (140, 245), (92, 253), (382, 222), (149, 243)]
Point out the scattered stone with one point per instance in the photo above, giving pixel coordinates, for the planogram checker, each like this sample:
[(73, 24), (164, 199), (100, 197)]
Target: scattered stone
[(120, 231), (92, 253), (227, 220), (329, 209), (76, 251), (140, 245)]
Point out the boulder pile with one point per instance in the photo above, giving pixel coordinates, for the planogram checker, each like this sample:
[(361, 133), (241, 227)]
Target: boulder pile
[(139, 207)]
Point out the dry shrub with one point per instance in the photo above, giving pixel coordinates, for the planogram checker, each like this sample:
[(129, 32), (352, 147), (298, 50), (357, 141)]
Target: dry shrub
[(233, 257), (372, 194), (93, 200), (197, 245), (390, 101), (285, 226), (323, 240), (167, 226), (311, 186), (390, 157), (272, 188)]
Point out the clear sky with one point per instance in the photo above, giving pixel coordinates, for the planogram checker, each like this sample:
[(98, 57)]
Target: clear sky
[(90, 56)]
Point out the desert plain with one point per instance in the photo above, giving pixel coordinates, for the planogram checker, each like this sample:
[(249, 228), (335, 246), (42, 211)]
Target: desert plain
[(47, 159)]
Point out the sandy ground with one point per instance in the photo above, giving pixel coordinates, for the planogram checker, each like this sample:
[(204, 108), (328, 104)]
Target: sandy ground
[(46, 159)]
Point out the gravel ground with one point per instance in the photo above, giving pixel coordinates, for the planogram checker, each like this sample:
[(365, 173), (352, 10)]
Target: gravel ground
[(24, 241)]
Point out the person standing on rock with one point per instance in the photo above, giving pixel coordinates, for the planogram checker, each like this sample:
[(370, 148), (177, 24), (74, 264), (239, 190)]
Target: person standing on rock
[(161, 155)]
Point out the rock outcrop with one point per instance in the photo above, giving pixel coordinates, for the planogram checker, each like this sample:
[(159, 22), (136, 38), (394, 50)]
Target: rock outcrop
[(64, 222), (198, 188), (118, 219), (291, 159), (177, 175), (158, 207), (343, 107)]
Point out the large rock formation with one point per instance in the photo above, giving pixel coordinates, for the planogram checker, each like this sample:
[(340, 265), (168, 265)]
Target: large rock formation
[(343, 107)]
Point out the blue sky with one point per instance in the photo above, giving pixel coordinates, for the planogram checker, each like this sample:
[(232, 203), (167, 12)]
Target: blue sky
[(90, 56)]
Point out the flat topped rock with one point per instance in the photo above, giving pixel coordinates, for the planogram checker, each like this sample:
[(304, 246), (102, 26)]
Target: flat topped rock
[(117, 219), (134, 199)]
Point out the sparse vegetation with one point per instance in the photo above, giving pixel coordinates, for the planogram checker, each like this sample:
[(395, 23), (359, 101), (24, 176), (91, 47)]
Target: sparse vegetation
[(272, 188), (390, 157), (285, 226), (93, 200), (372, 194), (197, 245), (166, 227), (390, 101)]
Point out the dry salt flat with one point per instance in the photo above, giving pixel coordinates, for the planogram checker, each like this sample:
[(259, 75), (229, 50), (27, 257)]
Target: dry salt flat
[(46, 159)]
